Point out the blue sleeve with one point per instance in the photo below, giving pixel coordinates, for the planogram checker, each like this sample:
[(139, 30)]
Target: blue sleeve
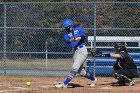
[(66, 38)]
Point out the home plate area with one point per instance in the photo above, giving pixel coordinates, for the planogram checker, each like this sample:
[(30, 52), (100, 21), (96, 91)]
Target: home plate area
[(9, 88), (17, 84), (20, 87)]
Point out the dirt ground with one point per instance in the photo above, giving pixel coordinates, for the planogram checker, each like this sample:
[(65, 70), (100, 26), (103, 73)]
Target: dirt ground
[(17, 84)]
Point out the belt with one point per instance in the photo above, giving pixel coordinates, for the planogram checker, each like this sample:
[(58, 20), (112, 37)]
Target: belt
[(80, 46)]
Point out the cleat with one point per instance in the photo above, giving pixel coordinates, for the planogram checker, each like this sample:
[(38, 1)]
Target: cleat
[(130, 83), (93, 82), (124, 80), (118, 83), (61, 85), (124, 83)]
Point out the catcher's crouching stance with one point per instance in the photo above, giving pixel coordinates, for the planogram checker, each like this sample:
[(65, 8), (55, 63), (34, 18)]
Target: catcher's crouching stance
[(124, 68)]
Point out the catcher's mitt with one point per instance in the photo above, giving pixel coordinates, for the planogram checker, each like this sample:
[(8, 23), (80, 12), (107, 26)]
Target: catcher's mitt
[(96, 53)]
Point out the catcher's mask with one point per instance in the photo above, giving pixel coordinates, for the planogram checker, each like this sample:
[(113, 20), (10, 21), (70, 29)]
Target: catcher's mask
[(120, 47)]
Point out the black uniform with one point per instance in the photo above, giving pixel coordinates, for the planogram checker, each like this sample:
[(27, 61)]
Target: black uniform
[(125, 65), (124, 68)]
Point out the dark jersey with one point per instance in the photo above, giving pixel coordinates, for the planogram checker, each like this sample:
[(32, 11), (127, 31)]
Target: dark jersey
[(126, 61)]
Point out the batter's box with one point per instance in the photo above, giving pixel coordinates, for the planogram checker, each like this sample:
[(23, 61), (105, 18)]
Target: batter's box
[(7, 87)]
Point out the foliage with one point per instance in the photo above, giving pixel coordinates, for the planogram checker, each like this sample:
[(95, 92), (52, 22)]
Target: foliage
[(68, 0), (51, 16)]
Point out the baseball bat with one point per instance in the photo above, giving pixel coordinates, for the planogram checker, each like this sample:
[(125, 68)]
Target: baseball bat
[(72, 31)]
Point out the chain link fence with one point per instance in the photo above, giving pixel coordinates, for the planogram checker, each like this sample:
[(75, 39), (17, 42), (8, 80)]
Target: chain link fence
[(31, 34)]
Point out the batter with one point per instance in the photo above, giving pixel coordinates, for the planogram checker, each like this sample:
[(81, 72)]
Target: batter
[(75, 36)]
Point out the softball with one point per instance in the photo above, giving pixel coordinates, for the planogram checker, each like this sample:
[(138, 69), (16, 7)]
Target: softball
[(28, 83)]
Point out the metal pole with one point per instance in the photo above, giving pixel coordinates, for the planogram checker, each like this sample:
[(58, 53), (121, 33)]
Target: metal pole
[(4, 46), (46, 45), (94, 59)]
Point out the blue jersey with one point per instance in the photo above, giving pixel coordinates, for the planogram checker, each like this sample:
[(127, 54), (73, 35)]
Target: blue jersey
[(78, 32)]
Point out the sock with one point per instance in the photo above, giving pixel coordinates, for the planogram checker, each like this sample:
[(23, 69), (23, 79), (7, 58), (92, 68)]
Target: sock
[(90, 76), (70, 77), (67, 80)]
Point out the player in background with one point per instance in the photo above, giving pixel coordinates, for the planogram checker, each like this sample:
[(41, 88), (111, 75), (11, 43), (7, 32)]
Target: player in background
[(124, 68), (75, 36)]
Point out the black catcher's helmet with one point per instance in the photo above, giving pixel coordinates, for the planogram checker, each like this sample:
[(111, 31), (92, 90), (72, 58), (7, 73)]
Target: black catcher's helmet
[(120, 47)]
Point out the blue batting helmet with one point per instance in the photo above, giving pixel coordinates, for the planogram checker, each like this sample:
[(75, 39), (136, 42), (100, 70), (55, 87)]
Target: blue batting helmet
[(68, 22)]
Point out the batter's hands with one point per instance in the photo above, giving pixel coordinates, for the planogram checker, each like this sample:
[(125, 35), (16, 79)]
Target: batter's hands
[(78, 38), (75, 39)]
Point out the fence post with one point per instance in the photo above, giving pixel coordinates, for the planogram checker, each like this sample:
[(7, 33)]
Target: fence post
[(4, 43), (94, 59), (46, 47)]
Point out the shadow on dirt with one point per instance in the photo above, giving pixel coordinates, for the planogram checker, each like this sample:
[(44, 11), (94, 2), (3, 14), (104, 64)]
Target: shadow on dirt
[(74, 85)]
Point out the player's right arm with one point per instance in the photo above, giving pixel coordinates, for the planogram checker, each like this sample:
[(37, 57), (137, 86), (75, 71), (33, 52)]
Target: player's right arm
[(66, 38), (111, 55), (100, 54), (69, 40), (115, 55)]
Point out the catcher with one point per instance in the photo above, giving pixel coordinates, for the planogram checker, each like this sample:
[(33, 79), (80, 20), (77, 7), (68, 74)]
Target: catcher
[(124, 68)]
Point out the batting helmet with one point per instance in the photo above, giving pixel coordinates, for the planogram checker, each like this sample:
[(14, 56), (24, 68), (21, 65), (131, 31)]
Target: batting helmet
[(120, 47), (68, 22)]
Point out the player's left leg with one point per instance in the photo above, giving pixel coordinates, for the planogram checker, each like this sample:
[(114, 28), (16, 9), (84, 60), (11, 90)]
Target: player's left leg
[(89, 76), (124, 77), (79, 59)]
